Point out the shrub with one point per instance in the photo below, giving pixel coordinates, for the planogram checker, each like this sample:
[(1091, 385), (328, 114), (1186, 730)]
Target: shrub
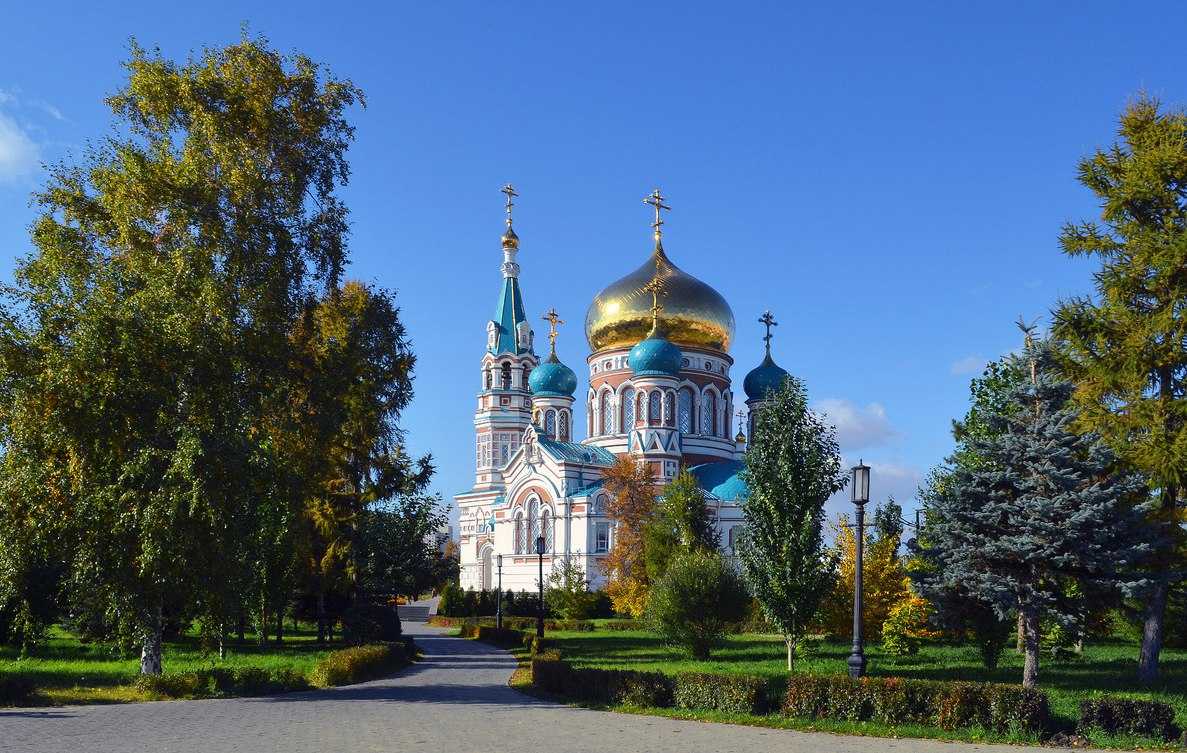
[(699, 594), (15, 689), (604, 686), (949, 705), (223, 681), (738, 694), (370, 623), (504, 637), (567, 594), (622, 625), (358, 664), (907, 627), (452, 602), (176, 685), (1127, 716)]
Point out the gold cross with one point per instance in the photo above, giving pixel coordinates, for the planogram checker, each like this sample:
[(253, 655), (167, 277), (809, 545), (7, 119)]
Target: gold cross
[(656, 199), (768, 320), (553, 320), (510, 191), (656, 288)]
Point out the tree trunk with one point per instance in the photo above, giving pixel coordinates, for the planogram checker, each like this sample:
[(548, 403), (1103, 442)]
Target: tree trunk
[(321, 618), (1152, 635), (222, 641), (242, 628), (790, 641), (150, 649), (1030, 624), (1020, 639), (279, 626)]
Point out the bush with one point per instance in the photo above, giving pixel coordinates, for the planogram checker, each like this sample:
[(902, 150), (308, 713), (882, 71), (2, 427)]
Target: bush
[(622, 625), (370, 623), (452, 602), (567, 594), (224, 682), (1127, 716), (949, 705), (737, 694), (520, 623), (698, 596), (602, 686), (505, 637), (351, 665), (15, 689), (907, 627)]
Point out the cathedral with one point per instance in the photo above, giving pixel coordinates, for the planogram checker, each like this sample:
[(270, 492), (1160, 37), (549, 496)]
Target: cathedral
[(659, 392)]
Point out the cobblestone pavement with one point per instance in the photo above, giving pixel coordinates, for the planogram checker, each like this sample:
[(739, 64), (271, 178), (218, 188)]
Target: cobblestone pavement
[(455, 701)]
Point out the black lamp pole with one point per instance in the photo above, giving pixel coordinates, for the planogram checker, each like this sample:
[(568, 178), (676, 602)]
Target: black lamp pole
[(499, 596), (861, 495), (540, 610)]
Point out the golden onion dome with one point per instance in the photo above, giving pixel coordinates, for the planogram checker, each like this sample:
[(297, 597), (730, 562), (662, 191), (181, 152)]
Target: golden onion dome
[(694, 314)]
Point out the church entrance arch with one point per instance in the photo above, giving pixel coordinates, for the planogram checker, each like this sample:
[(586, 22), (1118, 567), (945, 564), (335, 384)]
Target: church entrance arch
[(486, 576)]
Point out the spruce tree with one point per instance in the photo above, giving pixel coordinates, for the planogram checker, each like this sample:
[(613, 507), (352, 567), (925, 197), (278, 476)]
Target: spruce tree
[(793, 465), (1045, 509), (1126, 348)]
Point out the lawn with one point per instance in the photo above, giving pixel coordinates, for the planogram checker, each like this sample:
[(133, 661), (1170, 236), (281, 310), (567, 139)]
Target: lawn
[(1107, 668), (68, 671)]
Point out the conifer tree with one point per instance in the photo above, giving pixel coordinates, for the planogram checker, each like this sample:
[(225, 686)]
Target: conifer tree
[(1126, 348), (793, 465), (1045, 509)]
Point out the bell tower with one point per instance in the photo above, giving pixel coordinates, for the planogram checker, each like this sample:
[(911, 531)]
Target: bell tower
[(505, 401)]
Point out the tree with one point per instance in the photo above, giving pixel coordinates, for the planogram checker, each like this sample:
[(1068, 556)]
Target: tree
[(1044, 510), (681, 521), (631, 506), (399, 545), (147, 333), (567, 593), (697, 597), (884, 580), (793, 465), (1127, 349)]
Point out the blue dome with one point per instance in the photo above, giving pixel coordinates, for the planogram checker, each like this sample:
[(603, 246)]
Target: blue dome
[(764, 379), (655, 356), (552, 379)]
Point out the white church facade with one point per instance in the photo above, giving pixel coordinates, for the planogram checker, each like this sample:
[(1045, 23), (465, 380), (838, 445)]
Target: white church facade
[(659, 392)]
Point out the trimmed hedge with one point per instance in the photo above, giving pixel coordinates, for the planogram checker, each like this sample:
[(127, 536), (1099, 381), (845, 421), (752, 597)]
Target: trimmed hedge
[(504, 637), (223, 681), (948, 705), (516, 623), (361, 663), (604, 686), (737, 694), (16, 689), (1127, 716)]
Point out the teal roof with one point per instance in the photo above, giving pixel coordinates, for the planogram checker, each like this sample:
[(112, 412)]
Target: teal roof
[(655, 356), (764, 379), (575, 452), (508, 314), (722, 479), (552, 379), (585, 491)]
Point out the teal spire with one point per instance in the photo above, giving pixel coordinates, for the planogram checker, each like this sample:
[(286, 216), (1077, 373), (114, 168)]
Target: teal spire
[(510, 317)]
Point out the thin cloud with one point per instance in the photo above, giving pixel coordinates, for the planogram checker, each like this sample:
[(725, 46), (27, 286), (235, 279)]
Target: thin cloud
[(19, 154), (972, 364), (857, 427), (887, 479)]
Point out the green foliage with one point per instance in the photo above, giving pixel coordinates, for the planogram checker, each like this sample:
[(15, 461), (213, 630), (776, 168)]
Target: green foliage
[(1124, 347), (16, 690), (567, 593), (736, 694), (893, 701), (602, 686), (1042, 511), (370, 623), (1127, 716), (793, 465), (695, 600), (681, 521), (223, 682), (354, 665), (452, 602), (399, 547)]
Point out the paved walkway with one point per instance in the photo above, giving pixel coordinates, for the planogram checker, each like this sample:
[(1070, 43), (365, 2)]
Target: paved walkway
[(455, 701)]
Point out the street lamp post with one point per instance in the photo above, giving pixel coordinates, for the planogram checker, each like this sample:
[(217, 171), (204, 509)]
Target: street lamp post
[(540, 609), (861, 495), (499, 596)]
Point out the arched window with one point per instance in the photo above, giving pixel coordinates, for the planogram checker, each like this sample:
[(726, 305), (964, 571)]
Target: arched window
[(550, 424), (533, 524), (628, 409), (546, 530), (669, 408), (521, 534), (589, 418), (486, 379), (607, 414), (709, 414), (653, 414), (506, 375), (563, 434), (527, 370), (684, 410)]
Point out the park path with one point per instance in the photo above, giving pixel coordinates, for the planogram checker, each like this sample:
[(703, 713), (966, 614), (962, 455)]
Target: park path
[(454, 701)]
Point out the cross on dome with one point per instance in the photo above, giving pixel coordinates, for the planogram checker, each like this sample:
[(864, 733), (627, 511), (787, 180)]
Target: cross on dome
[(768, 320), (553, 320), (656, 200), (509, 190)]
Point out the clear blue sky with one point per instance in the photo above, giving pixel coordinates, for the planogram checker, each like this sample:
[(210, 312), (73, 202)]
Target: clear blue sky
[(890, 179)]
